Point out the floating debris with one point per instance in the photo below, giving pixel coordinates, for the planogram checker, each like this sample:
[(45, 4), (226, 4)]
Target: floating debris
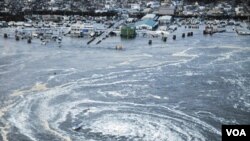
[(209, 30), (17, 38), (174, 37), (29, 41), (242, 32), (5, 35), (164, 39), (112, 34), (119, 47), (77, 127), (99, 42), (183, 35), (150, 42), (91, 40)]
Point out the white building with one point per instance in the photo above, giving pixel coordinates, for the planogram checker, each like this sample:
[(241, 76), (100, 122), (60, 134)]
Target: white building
[(147, 24), (239, 10), (149, 16), (135, 6), (165, 19), (153, 4), (110, 1)]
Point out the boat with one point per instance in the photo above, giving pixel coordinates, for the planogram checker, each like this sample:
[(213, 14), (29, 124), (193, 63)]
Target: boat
[(27, 25), (46, 25), (212, 29), (242, 32), (20, 24), (220, 29), (208, 30), (81, 29), (77, 127), (3, 24), (24, 33), (76, 30), (119, 47), (45, 33), (11, 23), (88, 29), (231, 22)]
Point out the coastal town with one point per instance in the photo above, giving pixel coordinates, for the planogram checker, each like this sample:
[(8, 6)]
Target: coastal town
[(51, 20), (123, 70), (161, 7)]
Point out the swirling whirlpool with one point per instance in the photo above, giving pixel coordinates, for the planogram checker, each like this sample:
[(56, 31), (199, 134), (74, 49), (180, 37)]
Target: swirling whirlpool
[(168, 94), (62, 113)]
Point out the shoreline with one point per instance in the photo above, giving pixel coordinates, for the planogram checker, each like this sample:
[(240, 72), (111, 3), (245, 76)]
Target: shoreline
[(21, 16)]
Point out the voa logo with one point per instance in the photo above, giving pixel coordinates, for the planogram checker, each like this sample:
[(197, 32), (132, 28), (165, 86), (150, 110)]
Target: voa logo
[(236, 132)]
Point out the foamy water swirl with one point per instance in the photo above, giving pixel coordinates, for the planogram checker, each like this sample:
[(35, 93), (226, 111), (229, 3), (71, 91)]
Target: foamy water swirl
[(98, 120)]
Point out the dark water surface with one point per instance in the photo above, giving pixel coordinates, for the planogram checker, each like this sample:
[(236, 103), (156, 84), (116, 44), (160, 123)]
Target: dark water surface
[(176, 91)]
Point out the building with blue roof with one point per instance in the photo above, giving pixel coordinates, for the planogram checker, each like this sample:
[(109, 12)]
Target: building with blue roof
[(148, 24)]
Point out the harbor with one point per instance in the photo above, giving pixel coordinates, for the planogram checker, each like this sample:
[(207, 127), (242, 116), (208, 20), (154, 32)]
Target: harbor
[(95, 32)]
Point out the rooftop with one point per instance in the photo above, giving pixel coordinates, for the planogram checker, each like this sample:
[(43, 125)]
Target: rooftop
[(148, 22)]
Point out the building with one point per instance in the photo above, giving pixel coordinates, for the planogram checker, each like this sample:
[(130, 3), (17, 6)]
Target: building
[(215, 12), (128, 32), (2, 5), (147, 10), (165, 19), (147, 24), (135, 6), (166, 2), (153, 4), (149, 16), (167, 10), (54, 18), (239, 11)]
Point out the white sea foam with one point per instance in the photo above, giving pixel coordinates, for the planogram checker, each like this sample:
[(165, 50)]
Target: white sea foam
[(117, 121), (185, 54), (210, 82)]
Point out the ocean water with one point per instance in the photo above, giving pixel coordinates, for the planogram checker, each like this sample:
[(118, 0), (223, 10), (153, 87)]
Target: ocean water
[(181, 90)]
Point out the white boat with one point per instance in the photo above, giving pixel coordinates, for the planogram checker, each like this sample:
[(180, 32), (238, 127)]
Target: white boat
[(77, 127), (46, 25), (45, 33), (220, 29), (27, 25), (81, 29), (19, 23), (11, 23), (243, 32), (88, 28), (76, 30), (231, 22), (157, 33)]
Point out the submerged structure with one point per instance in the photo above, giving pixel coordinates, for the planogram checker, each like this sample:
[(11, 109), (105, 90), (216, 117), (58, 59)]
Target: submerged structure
[(128, 32)]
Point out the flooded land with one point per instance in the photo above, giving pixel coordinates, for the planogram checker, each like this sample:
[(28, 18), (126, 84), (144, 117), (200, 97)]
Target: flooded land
[(124, 70), (177, 90)]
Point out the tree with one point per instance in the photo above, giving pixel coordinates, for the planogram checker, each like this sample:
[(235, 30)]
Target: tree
[(14, 6), (39, 4)]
